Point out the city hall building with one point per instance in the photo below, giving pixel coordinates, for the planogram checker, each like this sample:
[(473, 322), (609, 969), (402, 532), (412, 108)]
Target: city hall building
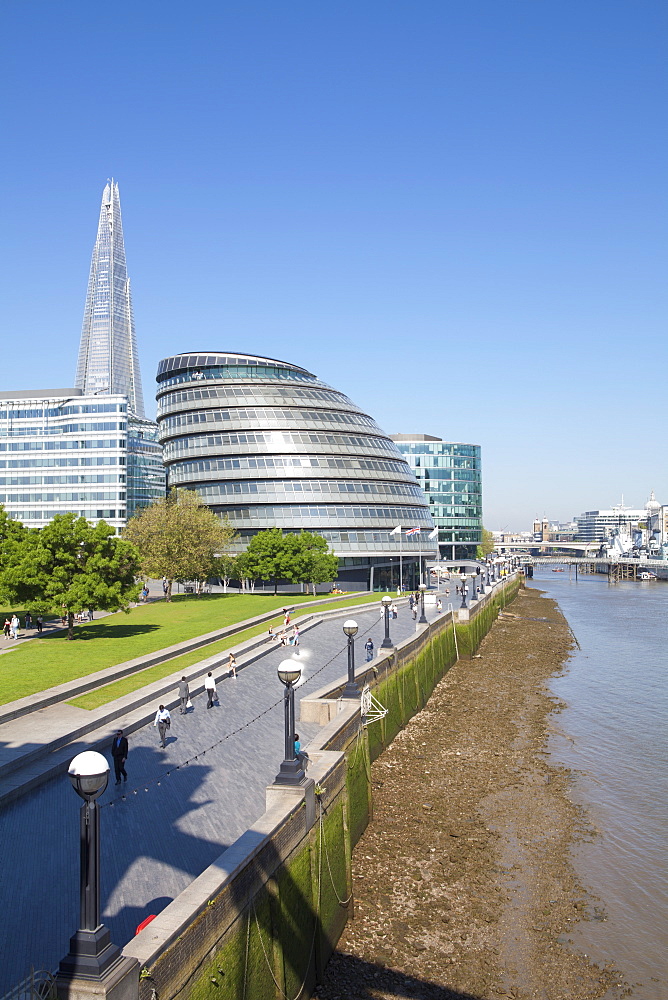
[(267, 444)]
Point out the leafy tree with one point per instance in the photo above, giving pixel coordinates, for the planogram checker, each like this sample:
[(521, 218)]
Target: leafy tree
[(298, 558), (265, 557), (228, 568), (68, 565), (487, 544), (314, 562), (178, 538)]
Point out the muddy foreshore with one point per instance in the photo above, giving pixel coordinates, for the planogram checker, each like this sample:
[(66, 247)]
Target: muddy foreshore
[(463, 882)]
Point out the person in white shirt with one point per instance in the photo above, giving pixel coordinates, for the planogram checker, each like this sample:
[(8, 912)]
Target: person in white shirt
[(210, 688), (163, 721)]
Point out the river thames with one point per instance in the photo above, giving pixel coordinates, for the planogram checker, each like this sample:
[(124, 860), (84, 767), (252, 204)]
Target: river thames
[(613, 735)]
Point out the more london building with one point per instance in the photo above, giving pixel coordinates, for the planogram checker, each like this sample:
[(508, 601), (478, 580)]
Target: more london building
[(267, 444), (450, 474), (88, 449)]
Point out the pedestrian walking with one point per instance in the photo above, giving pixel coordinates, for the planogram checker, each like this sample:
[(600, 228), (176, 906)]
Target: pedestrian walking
[(368, 645), (295, 637), (411, 602), (14, 626), (394, 611), (164, 585), (28, 623), (439, 606), (7, 628), (163, 721), (232, 665), (286, 617), (184, 695), (39, 621), (414, 611), (119, 753), (210, 688)]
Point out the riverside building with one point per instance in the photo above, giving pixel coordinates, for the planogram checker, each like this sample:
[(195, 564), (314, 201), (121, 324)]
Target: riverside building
[(268, 444), (88, 450), (450, 475)]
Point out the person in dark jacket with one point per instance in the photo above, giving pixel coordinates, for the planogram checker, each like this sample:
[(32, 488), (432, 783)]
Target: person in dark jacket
[(119, 752), (184, 695)]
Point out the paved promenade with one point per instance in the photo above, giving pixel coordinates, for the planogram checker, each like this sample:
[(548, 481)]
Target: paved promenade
[(172, 819)]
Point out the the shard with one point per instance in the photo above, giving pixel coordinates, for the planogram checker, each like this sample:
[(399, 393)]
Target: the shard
[(108, 361)]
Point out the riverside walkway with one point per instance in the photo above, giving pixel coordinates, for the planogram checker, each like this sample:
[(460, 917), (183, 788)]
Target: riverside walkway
[(180, 808)]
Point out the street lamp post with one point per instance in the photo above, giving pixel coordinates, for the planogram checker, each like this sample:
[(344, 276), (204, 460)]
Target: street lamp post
[(422, 620), (351, 690), (386, 602), (462, 580), (91, 952), (291, 771), (482, 581)]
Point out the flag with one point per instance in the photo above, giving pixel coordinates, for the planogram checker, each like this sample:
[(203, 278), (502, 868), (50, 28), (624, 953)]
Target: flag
[(396, 531), (433, 534), (412, 531)]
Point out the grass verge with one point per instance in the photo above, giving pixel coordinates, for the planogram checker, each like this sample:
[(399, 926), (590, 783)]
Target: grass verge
[(53, 659), (103, 695)]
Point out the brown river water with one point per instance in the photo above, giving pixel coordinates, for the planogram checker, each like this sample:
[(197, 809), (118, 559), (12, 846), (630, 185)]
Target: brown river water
[(613, 734)]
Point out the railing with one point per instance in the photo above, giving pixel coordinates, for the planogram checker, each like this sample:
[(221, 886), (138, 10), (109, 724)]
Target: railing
[(39, 985)]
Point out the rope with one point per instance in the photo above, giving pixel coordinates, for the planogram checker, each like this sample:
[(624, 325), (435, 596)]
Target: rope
[(342, 902)]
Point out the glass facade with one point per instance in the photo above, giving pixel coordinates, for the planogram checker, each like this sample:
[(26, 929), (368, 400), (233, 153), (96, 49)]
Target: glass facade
[(108, 361), (55, 457), (266, 444), (450, 475)]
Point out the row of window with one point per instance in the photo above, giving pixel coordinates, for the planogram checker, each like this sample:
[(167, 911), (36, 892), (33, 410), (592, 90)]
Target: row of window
[(63, 411), (43, 463), (58, 497), (439, 448), (263, 415), (272, 440), (276, 487), (48, 515), (257, 395), (418, 515), (243, 371), (61, 429), (58, 480), (459, 473), (287, 462), (59, 445)]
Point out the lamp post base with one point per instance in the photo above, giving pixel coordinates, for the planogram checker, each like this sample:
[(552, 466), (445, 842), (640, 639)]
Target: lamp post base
[(120, 982), (351, 690), (291, 773), (387, 644), (91, 954)]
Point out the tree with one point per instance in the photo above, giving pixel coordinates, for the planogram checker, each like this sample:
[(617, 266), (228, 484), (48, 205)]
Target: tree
[(227, 568), (178, 538), (264, 559), (487, 544), (69, 565), (298, 558), (314, 562)]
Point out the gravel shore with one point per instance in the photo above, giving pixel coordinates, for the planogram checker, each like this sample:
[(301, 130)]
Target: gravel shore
[(463, 882)]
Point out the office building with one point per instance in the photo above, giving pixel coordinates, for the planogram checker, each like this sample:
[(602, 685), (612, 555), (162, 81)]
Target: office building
[(599, 525), (268, 444), (89, 449), (450, 475)]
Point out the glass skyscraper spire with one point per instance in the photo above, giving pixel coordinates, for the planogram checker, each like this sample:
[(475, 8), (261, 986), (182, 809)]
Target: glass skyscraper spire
[(108, 361)]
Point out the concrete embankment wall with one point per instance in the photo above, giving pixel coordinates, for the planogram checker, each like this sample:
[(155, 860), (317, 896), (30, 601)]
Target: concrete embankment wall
[(263, 920)]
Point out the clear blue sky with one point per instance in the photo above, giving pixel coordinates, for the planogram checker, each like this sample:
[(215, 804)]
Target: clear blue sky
[(454, 212)]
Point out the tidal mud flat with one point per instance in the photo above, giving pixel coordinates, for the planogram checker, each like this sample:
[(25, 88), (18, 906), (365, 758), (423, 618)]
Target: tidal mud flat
[(463, 881)]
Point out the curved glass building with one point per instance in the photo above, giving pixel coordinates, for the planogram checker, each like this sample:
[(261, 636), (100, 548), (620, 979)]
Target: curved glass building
[(268, 444)]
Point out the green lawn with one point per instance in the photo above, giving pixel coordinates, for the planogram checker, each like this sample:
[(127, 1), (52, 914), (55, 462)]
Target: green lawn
[(103, 695), (53, 659)]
